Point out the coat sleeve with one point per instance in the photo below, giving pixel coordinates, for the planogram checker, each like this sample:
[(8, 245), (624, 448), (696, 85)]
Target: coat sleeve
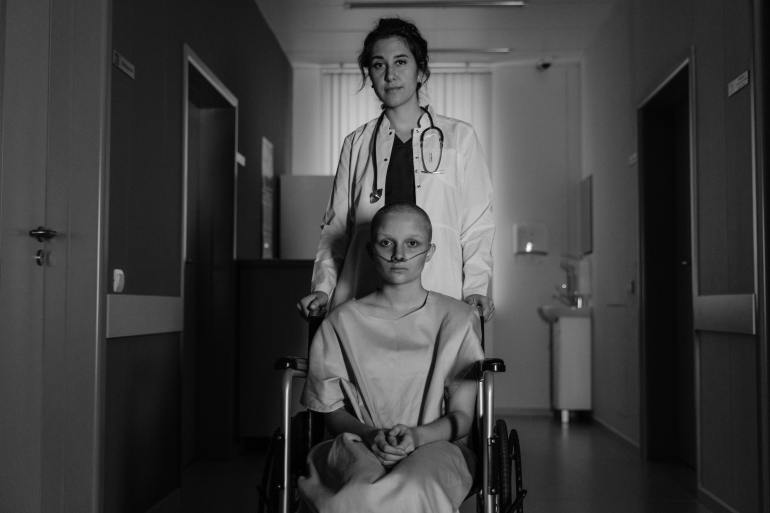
[(325, 383), (334, 240), (477, 228)]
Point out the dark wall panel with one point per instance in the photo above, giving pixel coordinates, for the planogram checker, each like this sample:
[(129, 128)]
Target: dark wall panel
[(232, 38), (724, 153), (719, 32), (143, 399), (739, 171), (728, 404), (142, 441), (270, 327), (711, 231)]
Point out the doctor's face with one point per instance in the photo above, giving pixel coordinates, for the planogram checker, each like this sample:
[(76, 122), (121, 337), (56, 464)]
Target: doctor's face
[(393, 72)]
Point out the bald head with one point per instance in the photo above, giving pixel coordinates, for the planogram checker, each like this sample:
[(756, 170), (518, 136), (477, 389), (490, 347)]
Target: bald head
[(400, 209)]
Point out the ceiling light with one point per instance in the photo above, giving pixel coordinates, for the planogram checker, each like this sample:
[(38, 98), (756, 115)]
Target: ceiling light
[(469, 50), (435, 3)]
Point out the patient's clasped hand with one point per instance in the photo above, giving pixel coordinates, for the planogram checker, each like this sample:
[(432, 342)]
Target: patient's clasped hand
[(389, 371)]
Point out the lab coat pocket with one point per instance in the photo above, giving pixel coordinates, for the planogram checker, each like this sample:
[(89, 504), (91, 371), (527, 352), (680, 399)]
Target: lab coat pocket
[(446, 175)]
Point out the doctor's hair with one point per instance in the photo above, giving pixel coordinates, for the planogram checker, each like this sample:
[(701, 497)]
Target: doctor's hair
[(390, 27), (400, 208)]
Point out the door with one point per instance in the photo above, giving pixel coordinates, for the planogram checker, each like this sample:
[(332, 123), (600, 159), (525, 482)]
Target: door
[(668, 352), (52, 133), (728, 257), (22, 207)]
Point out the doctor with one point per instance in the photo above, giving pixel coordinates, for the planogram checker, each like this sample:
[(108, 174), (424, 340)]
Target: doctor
[(408, 154)]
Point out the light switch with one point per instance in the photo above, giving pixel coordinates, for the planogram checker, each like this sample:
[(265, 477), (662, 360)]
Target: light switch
[(118, 280)]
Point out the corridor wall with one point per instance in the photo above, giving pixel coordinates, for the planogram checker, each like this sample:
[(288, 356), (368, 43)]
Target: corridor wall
[(143, 442)]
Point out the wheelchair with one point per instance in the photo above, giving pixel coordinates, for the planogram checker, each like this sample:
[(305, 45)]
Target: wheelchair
[(498, 486)]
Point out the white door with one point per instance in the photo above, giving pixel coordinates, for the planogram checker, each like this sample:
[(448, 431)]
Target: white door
[(53, 85)]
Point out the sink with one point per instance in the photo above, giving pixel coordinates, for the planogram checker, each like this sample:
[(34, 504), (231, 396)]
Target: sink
[(552, 313)]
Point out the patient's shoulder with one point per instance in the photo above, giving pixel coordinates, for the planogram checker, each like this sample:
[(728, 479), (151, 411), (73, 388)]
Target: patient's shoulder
[(341, 311), (452, 307)]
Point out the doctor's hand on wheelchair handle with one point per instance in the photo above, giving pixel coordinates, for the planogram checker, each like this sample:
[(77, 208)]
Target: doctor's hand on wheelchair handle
[(313, 304), (484, 303)]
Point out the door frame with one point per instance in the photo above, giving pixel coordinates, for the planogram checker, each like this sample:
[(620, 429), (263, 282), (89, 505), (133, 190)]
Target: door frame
[(190, 58), (689, 63), (761, 115)]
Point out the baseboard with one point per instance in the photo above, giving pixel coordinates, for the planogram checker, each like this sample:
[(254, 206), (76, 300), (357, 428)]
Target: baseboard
[(712, 502), (622, 436), (171, 503)]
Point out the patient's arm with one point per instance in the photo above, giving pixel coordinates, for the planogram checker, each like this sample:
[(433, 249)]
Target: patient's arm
[(455, 424), (341, 421)]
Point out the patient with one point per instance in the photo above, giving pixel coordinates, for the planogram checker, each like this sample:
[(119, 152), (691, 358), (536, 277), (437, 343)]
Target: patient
[(389, 373)]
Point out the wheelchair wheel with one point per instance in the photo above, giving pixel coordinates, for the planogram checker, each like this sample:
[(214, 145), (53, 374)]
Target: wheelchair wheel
[(504, 465), (515, 447)]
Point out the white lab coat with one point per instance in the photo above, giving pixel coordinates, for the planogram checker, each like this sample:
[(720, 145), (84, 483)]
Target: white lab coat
[(458, 200)]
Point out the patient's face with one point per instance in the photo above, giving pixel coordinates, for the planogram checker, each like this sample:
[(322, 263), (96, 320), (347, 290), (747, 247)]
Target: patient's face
[(401, 247)]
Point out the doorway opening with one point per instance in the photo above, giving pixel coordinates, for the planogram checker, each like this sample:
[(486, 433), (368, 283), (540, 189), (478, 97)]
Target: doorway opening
[(666, 320), (209, 346)]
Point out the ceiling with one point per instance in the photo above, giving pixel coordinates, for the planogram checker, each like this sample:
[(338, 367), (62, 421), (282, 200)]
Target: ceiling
[(327, 32)]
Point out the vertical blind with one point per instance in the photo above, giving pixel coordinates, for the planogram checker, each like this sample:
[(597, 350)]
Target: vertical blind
[(461, 94)]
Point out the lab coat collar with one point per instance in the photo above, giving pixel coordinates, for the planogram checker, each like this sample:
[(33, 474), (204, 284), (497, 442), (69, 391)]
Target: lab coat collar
[(422, 123)]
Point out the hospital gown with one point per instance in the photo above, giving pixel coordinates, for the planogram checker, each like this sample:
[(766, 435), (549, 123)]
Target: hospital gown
[(388, 372)]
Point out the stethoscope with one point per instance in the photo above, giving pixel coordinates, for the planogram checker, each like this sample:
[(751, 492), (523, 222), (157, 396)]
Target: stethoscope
[(435, 131)]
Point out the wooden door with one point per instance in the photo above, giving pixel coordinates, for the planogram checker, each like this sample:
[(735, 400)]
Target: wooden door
[(726, 266), (53, 111)]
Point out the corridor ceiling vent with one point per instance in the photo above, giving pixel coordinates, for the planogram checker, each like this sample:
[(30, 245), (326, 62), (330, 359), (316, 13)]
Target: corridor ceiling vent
[(442, 4)]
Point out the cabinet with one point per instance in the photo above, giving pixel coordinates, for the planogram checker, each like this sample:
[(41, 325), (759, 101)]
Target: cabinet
[(571, 365)]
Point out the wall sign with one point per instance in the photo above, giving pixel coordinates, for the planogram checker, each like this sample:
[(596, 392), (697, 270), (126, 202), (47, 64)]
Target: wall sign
[(738, 83), (123, 64)]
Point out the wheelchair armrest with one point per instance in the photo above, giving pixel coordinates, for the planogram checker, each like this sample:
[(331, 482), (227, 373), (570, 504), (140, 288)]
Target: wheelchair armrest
[(291, 362)]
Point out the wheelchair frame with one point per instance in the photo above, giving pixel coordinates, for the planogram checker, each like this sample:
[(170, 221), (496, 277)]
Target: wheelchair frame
[(489, 497)]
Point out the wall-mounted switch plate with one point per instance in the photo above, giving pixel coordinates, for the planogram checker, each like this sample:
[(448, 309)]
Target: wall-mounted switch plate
[(118, 280)]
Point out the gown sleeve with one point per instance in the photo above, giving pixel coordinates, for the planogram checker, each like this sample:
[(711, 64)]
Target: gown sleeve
[(477, 229), (334, 240)]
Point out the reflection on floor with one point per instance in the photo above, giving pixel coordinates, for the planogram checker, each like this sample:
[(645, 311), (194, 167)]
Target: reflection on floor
[(583, 468), (576, 468)]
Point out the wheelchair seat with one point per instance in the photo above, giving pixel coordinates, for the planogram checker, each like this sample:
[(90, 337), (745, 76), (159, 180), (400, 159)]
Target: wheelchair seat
[(498, 485)]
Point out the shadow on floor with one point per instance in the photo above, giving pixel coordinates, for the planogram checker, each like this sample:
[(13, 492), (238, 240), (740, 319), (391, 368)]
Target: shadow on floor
[(576, 468)]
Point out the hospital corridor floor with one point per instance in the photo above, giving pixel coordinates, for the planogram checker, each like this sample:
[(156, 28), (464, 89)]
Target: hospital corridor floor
[(576, 468)]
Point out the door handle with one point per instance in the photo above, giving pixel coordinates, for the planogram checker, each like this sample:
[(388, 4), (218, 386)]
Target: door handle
[(43, 234)]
